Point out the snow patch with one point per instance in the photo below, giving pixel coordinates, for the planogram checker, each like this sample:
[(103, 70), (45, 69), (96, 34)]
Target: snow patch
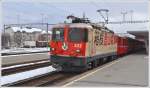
[(25, 75), (15, 50)]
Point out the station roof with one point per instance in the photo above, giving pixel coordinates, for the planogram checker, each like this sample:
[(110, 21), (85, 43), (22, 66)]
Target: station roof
[(142, 36), (139, 34)]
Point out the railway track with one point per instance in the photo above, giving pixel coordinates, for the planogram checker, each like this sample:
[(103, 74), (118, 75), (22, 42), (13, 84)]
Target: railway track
[(25, 67), (54, 78), (48, 79)]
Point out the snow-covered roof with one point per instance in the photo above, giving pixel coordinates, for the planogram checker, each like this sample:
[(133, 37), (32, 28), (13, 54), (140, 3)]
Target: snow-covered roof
[(80, 25), (126, 35), (50, 32), (15, 29), (45, 32)]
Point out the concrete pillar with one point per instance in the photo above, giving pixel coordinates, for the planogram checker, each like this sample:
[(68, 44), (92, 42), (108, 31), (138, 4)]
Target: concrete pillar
[(146, 45)]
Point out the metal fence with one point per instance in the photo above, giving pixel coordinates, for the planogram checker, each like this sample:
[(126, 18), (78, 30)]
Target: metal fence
[(26, 35)]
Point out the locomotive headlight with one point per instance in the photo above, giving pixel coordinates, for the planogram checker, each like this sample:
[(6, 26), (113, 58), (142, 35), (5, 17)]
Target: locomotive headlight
[(52, 49), (78, 51), (49, 48)]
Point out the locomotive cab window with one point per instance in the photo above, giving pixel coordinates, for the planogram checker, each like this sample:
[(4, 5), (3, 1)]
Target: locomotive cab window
[(78, 35), (58, 34)]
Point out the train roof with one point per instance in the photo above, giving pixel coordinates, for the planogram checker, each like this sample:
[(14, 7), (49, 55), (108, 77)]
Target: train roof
[(80, 25), (83, 25)]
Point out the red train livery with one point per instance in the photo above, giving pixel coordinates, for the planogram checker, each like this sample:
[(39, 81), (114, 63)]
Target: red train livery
[(127, 45), (81, 46)]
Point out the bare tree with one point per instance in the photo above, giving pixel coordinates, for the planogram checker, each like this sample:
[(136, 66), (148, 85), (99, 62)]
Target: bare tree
[(18, 38), (5, 40)]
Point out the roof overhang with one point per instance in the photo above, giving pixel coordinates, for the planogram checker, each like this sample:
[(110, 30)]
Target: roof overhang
[(140, 35)]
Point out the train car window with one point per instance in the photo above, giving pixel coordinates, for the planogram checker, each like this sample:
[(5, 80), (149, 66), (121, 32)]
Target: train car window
[(58, 34), (78, 35)]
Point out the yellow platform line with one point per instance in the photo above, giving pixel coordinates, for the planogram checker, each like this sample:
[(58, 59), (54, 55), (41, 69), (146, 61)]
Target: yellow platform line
[(92, 73)]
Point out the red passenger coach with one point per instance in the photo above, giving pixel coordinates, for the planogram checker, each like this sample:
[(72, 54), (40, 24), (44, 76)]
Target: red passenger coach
[(134, 45), (127, 45), (122, 46)]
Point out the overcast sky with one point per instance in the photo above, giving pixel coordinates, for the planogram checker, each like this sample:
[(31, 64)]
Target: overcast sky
[(55, 11)]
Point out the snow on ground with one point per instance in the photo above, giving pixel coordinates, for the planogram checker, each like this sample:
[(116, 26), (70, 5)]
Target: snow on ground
[(21, 50), (25, 75)]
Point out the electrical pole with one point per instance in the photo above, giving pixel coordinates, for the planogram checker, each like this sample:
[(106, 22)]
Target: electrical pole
[(42, 18), (47, 34), (123, 14), (83, 15), (18, 18), (131, 15), (21, 33)]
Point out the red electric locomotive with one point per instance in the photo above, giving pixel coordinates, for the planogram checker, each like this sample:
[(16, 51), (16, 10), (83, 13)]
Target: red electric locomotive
[(79, 45), (122, 46)]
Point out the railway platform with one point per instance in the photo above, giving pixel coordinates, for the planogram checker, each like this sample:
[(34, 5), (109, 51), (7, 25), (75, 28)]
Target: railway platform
[(23, 58), (130, 70)]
